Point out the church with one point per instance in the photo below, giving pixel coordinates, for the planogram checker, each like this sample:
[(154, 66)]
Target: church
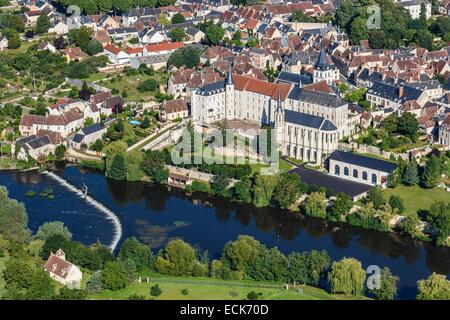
[(308, 123)]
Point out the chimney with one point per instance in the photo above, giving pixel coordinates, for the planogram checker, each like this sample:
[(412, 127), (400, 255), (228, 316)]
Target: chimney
[(400, 90)]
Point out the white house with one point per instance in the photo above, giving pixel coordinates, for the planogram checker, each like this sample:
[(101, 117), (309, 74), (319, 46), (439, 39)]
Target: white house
[(59, 27), (87, 135), (3, 43), (414, 7), (148, 36), (62, 270), (116, 55), (359, 168)]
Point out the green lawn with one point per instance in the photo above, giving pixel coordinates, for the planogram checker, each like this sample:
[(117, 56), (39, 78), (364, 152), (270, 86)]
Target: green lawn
[(417, 198), (210, 289)]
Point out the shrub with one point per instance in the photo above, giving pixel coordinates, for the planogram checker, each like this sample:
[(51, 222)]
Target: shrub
[(155, 290)]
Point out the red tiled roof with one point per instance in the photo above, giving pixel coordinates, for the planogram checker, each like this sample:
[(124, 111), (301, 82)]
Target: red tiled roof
[(58, 266), (112, 49), (270, 89), (164, 46)]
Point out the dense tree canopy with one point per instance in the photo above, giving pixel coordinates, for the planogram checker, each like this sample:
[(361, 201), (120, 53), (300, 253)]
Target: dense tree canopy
[(13, 218), (435, 287), (347, 276)]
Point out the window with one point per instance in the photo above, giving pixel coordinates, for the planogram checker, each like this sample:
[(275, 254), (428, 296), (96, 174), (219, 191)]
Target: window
[(337, 170), (355, 173), (364, 175), (346, 171), (374, 178)]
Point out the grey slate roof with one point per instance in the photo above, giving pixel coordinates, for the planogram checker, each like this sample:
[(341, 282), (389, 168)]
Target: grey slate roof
[(294, 78), (92, 128), (316, 97), (308, 120), (363, 161), (212, 88), (78, 138), (39, 142), (391, 92)]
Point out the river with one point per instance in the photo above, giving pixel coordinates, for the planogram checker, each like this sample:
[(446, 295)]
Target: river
[(156, 214)]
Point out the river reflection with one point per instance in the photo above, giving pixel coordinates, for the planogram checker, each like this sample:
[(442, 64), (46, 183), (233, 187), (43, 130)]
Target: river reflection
[(156, 214)]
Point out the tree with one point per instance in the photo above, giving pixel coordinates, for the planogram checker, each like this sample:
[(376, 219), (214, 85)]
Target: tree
[(94, 283), (117, 170), (114, 276), (315, 205), (155, 290), (72, 294), (14, 42), (13, 218), (220, 184), (214, 34), (60, 151), (177, 259), (35, 248), (241, 252), (307, 267), (243, 190), (98, 145), (411, 173), (177, 34), (94, 47), (153, 165), (341, 206), (388, 286), (263, 190), (60, 43), (347, 276), (178, 18), (390, 123), (410, 225), (49, 229), (52, 244), (188, 56), (375, 195), (42, 24), (299, 16), (135, 250), (431, 176), (287, 191), (41, 287), (17, 274), (80, 37), (122, 5), (148, 85), (130, 268), (396, 202), (104, 5), (435, 287), (408, 125), (163, 20), (439, 217), (345, 14)]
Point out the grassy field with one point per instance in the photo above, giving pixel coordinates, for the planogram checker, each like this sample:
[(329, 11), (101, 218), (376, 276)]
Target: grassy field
[(210, 289), (416, 198), (123, 82)]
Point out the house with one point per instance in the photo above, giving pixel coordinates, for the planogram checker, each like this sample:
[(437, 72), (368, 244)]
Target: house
[(414, 7), (3, 43), (31, 17), (359, 168), (112, 105), (179, 180), (62, 270), (116, 55), (394, 96), (195, 35), (46, 46), (122, 34), (58, 26), (173, 109), (148, 36), (108, 22), (162, 48), (37, 145), (73, 54), (87, 135)]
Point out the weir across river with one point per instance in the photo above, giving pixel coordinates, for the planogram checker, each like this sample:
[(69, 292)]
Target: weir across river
[(82, 194)]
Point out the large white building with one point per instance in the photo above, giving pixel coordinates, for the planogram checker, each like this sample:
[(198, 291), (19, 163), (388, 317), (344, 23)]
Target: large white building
[(308, 123)]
